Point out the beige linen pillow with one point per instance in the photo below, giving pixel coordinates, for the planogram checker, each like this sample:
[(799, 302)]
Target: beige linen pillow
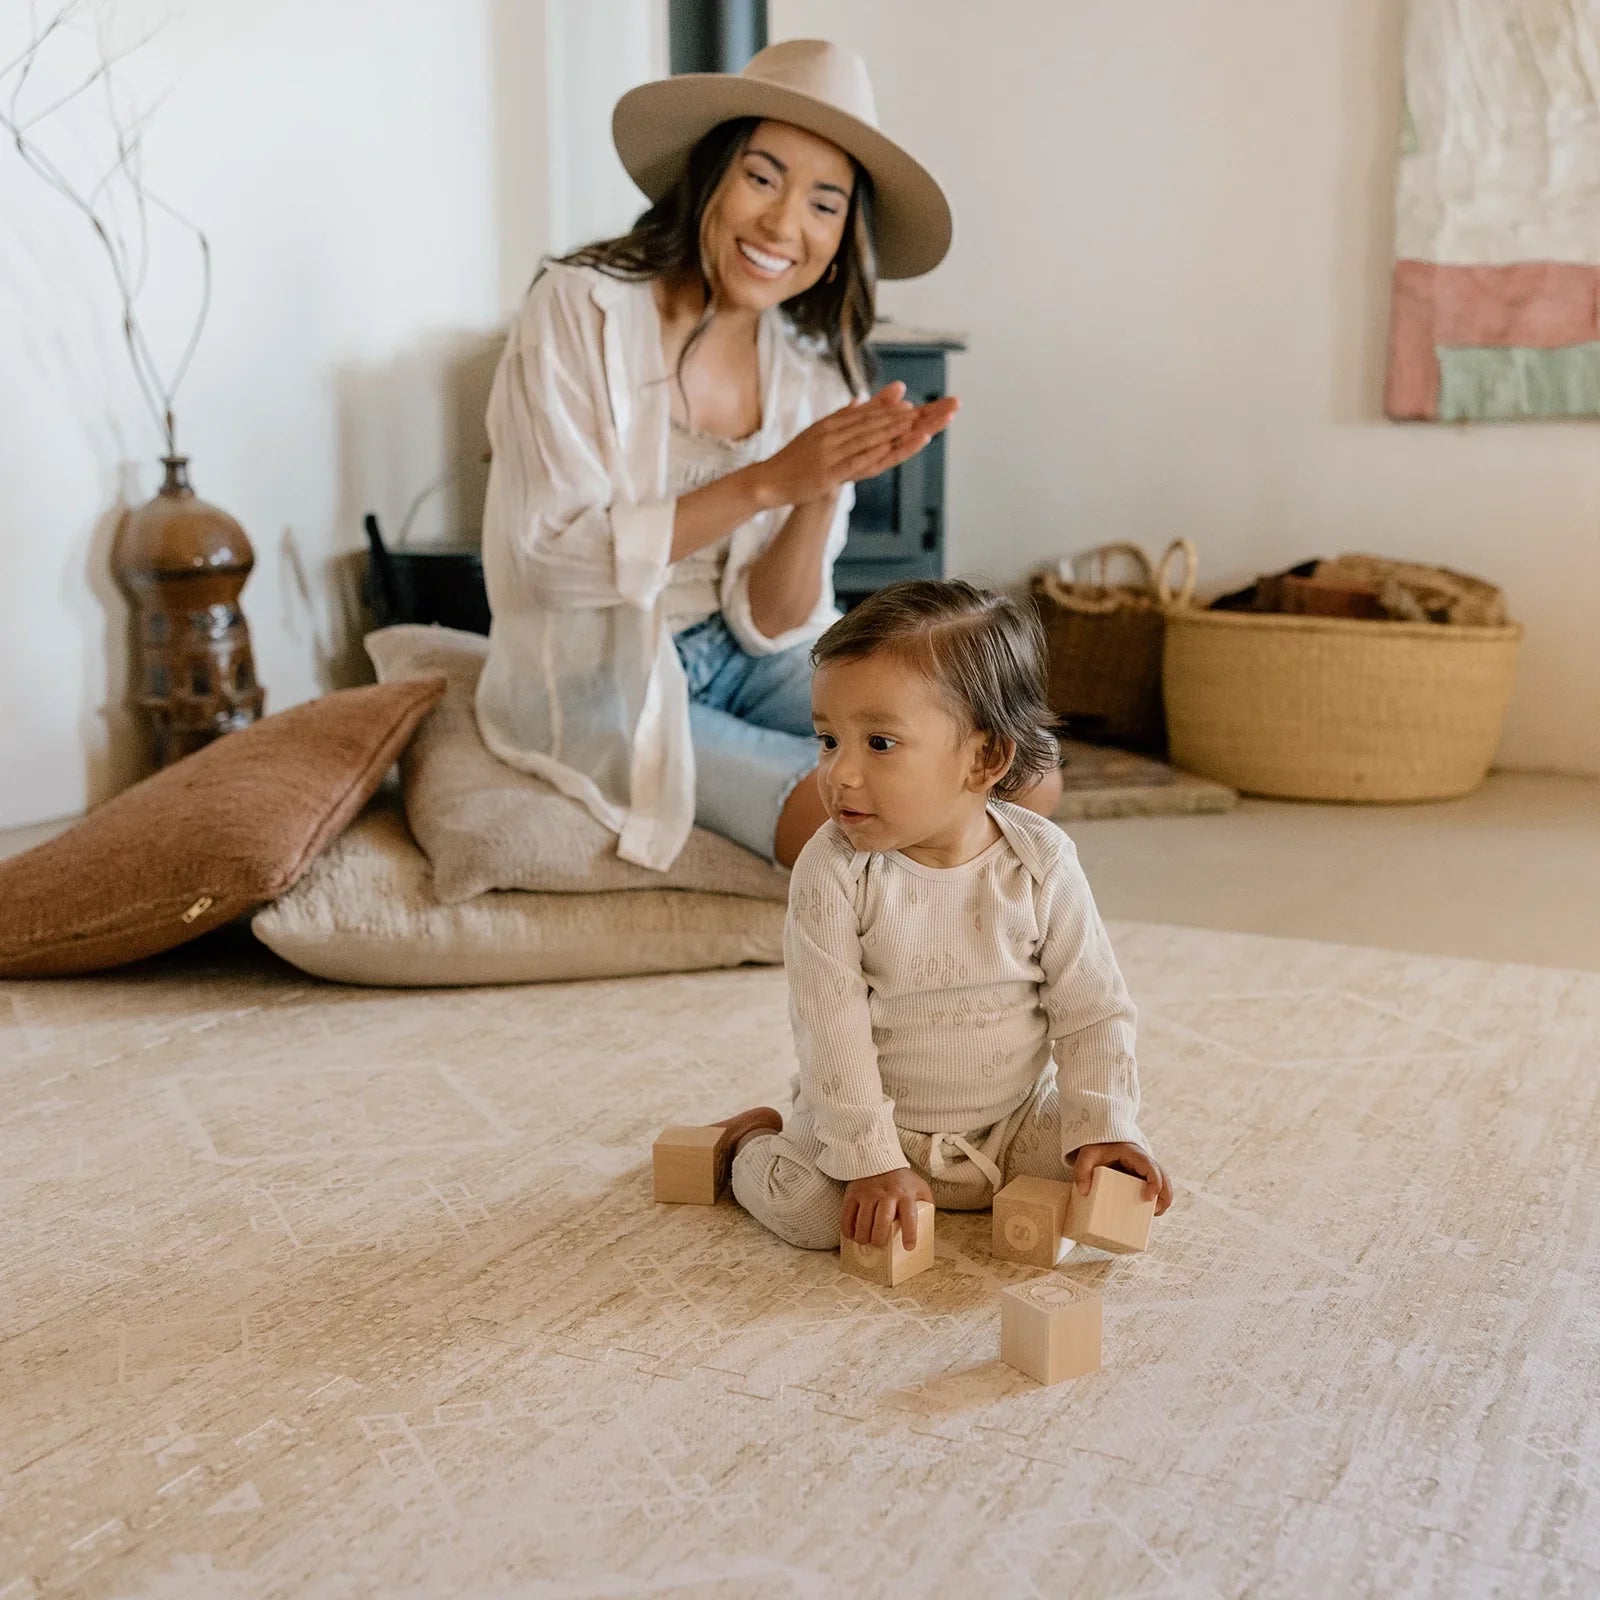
[(366, 913), (485, 825), (206, 840)]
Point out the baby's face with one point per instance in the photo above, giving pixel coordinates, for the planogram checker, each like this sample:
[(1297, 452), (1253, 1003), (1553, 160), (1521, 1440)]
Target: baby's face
[(896, 769)]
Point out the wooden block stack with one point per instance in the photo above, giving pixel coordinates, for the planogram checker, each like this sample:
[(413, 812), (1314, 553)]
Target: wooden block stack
[(690, 1165), (1050, 1328), (892, 1263)]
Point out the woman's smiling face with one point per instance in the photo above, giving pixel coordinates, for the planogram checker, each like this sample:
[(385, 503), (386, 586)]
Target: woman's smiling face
[(778, 217)]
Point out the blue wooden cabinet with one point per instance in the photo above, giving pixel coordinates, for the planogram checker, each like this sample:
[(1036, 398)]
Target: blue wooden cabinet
[(897, 527)]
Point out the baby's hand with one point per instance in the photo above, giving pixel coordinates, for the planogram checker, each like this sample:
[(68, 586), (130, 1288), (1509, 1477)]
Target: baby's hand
[(1157, 1186), (873, 1206)]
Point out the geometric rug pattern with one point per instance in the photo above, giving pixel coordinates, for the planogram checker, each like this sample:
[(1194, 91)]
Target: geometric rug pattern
[(327, 1292)]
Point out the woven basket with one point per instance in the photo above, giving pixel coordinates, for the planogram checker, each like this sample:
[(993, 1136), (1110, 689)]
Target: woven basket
[(1104, 641), (1318, 708)]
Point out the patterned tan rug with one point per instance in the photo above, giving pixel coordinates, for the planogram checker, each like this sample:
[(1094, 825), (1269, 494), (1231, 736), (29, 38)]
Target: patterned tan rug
[(330, 1293), (1099, 781)]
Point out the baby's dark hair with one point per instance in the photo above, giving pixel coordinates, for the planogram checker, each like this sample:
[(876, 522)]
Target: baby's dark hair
[(984, 651)]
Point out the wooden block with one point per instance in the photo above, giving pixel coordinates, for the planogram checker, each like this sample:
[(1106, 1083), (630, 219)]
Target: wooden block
[(1050, 1329), (891, 1263), (1320, 596), (690, 1165), (1029, 1214), (1114, 1215)]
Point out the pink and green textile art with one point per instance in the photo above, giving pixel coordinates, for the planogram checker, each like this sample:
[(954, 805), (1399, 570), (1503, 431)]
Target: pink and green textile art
[(1496, 305)]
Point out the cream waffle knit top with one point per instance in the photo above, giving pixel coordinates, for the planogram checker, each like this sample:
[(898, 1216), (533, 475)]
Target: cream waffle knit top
[(935, 999), (694, 459)]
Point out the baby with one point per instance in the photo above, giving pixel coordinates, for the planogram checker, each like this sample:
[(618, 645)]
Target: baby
[(958, 1013)]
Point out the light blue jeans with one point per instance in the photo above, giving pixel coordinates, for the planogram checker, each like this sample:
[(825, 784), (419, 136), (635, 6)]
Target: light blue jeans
[(750, 723)]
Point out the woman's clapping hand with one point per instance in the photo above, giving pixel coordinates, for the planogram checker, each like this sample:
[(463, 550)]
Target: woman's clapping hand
[(857, 441)]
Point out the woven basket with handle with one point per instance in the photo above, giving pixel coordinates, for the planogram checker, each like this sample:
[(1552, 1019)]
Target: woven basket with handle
[(1105, 640), (1321, 708)]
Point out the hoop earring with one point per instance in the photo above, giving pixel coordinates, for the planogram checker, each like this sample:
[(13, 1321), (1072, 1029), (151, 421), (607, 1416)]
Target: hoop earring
[(833, 272)]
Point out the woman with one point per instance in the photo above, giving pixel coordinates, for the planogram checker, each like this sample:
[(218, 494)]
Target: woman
[(677, 423)]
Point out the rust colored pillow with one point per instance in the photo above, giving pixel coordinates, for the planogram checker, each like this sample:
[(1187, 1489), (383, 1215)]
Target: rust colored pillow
[(206, 840)]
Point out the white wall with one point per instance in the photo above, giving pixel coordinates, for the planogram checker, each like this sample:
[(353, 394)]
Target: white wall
[(603, 47), (1174, 232), (378, 181), (1173, 240)]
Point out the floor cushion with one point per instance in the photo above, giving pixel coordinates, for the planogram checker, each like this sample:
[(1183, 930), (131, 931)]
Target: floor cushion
[(367, 913), (205, 840), (485, 825)]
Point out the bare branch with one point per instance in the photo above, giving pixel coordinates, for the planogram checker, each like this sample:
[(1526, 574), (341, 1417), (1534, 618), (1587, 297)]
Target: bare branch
[(101, 205), (203, 244), (104, 68), (129, 164), (149, 381), (37, 43)]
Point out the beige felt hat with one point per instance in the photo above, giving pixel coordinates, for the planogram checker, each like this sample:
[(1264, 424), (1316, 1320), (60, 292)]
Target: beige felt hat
[(817, 86)]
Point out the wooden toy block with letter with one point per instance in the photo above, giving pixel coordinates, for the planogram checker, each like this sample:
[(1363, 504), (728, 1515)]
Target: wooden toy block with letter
[(1114, 1215), (891, 1264), (1050, 1329), (690, 1165), (1029, 1216)]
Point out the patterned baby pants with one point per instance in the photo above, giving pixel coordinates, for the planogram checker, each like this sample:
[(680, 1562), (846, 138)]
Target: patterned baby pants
[(777, 1180)]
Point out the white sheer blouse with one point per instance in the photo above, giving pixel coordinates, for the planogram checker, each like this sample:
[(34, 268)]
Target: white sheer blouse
[(583, 686)]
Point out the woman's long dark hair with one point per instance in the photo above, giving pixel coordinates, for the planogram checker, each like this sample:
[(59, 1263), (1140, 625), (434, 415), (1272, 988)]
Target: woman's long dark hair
[(668, 242)]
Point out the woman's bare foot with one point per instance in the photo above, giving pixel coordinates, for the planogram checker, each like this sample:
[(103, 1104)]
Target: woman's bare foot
[(759, 1119)]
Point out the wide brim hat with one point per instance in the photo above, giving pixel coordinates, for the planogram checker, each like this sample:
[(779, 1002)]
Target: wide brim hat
[(817, 86)]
